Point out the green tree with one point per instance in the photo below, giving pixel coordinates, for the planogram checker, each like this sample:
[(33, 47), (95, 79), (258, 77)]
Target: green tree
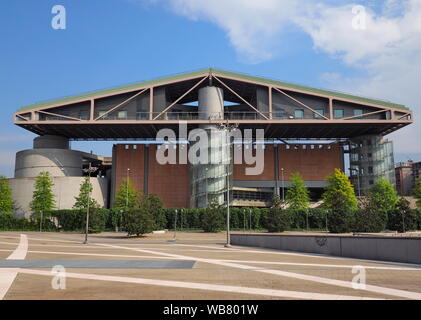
[(153, 204), (213, 218), (85, 196), (340, 194), (417, 192), (6, 201), (138, 221), (339, 198), (382, 196), (126, 195), (297, 195), (402, 219), (43, 197)]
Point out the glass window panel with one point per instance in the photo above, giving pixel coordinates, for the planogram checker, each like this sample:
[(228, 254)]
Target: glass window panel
[(338, 113), (299, 113)]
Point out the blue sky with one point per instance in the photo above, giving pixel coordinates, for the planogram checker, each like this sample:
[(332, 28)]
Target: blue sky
[(114, 42)]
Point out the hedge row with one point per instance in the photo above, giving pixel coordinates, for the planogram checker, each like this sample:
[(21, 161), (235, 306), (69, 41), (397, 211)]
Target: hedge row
[(10, 223), (213, 220)]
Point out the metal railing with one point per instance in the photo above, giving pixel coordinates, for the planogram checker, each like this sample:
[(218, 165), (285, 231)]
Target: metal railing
[(182, 115)]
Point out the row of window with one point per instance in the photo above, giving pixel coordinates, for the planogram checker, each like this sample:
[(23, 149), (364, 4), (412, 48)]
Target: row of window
[(299, 113)]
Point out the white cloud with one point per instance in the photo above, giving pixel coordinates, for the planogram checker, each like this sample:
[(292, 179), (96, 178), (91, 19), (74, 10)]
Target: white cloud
[(387, 51), (252, 27)]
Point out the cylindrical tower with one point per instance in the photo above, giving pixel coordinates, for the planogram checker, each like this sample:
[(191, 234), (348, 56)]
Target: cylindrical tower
[(208, 181), (52, 154)]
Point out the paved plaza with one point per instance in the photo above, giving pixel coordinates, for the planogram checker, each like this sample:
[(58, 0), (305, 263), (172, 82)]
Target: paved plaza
[(196, 266)]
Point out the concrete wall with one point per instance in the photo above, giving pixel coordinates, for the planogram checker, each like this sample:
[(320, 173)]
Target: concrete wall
[(59, 162), (406, 250), (65, 189)]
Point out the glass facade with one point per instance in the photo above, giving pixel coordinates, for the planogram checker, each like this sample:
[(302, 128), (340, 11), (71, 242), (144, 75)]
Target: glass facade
[(208, 181), (371, 158)]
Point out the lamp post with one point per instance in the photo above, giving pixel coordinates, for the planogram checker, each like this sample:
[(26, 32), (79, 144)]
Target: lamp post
[(89, 171), (283, 184), (127, 188), (175, 225), (228, 128)]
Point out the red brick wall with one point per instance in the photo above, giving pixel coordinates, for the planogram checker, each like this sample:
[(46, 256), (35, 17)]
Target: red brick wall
[(313, 164), (170, 182)]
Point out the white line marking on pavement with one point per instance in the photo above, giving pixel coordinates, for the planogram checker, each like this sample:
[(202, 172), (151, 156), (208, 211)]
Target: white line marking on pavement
[(8, 275), (340, 266), (203, 286), (339, 283)]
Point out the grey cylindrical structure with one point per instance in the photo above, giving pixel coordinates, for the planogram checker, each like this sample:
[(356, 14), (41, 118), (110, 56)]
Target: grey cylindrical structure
[(211, 103), (51, 142), (209, 181), (58, 162)]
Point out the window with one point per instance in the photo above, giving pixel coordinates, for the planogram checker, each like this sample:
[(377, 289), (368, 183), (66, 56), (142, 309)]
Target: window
[(279, 113), (101, 113), (321, 111), (358, 112), (338, 113), (83, 114), (141, 115), (299, 113), (122, 115)]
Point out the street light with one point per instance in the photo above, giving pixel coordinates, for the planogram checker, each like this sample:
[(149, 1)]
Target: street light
[(283, 185), (226, 127), (89, 171), (127, 188), (175, 225)]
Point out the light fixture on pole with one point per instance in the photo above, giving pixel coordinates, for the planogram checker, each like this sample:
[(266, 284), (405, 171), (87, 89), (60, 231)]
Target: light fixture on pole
[(283, 184), (175, 225), (127, 188), (226, 127), (89, 171)]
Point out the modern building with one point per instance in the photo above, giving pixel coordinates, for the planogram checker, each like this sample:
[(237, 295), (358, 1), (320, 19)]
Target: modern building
[(407, 174), (404, 178), (296, 129)]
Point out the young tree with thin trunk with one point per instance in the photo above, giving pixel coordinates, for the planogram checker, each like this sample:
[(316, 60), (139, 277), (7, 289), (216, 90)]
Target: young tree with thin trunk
[(297, 195), (126, 195), (43, 197), (6, 200), (85, 196)]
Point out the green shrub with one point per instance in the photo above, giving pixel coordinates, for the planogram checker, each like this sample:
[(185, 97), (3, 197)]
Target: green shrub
[(370, 220), (402, 218), (277, 220), (10, 223), (213, 218), (138, 221), (417, 213), (340, 221), (75, 220)]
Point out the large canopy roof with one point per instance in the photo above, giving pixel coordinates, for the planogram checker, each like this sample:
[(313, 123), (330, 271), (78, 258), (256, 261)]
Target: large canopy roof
[(283, 109)]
